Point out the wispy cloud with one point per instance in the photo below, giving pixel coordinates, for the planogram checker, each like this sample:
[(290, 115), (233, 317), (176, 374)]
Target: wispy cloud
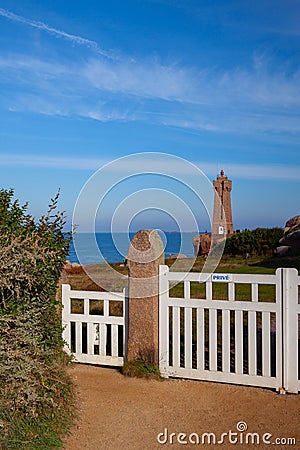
[(263, 98), (54, 31), (245, 171), (148, 79), (237, 102)]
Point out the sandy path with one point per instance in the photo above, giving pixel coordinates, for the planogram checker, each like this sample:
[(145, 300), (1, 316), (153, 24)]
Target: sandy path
[(128, 413)]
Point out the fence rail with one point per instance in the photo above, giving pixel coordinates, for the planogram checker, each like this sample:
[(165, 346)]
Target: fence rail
[(253, 341), (94, 325)]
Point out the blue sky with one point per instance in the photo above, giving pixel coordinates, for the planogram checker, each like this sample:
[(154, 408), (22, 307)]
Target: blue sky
[(214, 82)]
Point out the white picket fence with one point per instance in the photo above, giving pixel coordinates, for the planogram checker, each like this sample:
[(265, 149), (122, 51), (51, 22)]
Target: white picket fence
[(249, 342), (94, 326)]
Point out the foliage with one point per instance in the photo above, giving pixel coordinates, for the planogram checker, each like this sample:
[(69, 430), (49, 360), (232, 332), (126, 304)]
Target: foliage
[(143, 366), (141, 369), (35, 388), (261, 241)]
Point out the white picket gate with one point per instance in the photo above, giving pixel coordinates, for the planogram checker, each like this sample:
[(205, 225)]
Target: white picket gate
[(250, 342), (94, 325)]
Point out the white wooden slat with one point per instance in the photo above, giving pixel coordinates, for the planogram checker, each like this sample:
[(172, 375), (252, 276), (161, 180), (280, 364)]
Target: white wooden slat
[(235, 278), (86, 306), (114, 340), (231, 292), (95, 295), (291, 333), (106, 308), (208, 288), (252, 343), (176, 336), (188, 338), (266, 348), (213, 339), (113, 320), (222, 377), (102, 338), (239, 342), (226, 340), (90, 338), (78, 337), (187, 290), (254, 292), (200, 339), (165, 313), (221, 304)]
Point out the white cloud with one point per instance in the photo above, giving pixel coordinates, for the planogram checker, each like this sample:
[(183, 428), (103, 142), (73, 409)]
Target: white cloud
[(261, 99), (58, 33), (147, 79)]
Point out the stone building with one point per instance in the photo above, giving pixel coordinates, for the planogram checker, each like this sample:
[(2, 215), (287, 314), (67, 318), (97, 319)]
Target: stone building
[(222, 225)]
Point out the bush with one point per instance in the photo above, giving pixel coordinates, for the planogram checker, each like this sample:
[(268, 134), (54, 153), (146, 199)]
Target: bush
[(261, 241), (144, 366), (141, 369), (36, 392)]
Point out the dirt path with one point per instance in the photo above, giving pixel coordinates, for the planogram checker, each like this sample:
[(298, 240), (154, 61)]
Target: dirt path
[(128, 413)]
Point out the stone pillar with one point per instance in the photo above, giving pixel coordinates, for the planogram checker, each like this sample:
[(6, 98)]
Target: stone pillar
[(145, 255)]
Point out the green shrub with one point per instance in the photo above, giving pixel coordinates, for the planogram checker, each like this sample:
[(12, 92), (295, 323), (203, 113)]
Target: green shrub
[(144, 366), (261, 241), (141, 369), (36, 392)]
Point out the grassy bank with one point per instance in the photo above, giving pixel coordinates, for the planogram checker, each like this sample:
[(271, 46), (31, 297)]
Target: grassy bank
[(238, 264)]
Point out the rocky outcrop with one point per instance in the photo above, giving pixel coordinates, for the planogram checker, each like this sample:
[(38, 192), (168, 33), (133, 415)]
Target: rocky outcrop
[(292, 225), (176, 256), (73, 268), (202, 244), (290, 243)]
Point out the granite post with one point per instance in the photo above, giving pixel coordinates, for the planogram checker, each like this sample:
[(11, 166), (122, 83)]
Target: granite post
[(145, 255)]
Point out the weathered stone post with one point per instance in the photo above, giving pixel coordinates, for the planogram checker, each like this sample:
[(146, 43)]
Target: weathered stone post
[(146, 253)]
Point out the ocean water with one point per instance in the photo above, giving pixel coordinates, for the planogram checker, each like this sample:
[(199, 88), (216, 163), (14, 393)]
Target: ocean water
[(92, 249)]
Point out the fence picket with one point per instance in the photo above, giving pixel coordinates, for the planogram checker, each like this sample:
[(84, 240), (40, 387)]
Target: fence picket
[(176, 336), (102, 338), (266, 350), (239, 342), (90, 337), (188, 337), (254, 292), (78, 337), (226, 340), (200, 339), (252, 343), (114, 339), (213, 343)]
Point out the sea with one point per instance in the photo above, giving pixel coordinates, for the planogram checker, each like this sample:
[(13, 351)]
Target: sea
[(90, 248)]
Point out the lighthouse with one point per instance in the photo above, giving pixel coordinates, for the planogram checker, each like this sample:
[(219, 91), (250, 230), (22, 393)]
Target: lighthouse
[(222, 226)]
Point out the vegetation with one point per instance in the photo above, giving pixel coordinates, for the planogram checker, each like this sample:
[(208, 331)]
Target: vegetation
[(142, 368), (261, 241), (36, 392)]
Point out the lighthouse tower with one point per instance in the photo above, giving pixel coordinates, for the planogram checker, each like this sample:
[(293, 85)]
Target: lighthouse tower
[(222, 226)]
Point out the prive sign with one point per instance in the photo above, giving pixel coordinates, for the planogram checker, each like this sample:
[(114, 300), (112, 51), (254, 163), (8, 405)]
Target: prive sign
[(221, 277)]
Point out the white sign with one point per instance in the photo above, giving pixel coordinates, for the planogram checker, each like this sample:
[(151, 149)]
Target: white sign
[(221, 277)]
